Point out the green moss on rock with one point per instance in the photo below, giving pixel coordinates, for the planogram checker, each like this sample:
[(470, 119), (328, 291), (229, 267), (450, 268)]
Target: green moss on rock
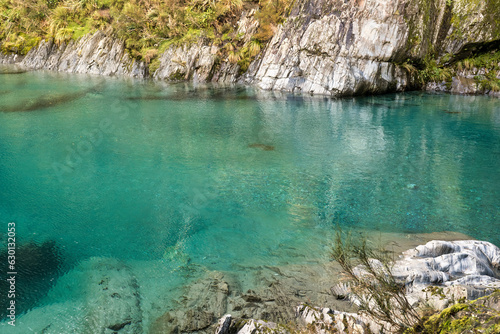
[(480, 316)]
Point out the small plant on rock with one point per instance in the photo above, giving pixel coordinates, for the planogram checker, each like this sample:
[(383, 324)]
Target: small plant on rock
[(373, 288)]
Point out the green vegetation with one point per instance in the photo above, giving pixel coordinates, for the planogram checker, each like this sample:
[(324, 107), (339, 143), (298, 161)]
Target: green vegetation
[(148, 27), (490, 63), (383, 299), (466, 317), (378, 294), (432, 70), (467, 20)]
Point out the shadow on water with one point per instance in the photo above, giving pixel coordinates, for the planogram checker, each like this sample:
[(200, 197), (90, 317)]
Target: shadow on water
[(38, 266), (47, 101)]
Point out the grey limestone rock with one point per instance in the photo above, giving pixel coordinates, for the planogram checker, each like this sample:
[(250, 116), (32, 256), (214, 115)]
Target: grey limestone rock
[(450, 260), (96, 53), (342, 48), (204, 302), (202, 61), (329, 47), (10, 58), (338, 48), (223, 324), (326, 320), (253, 326), (465, 82)]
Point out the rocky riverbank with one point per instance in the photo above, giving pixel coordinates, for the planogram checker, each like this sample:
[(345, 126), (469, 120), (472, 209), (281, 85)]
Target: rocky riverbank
[(97, 53), (327, 47), (439, 276), (108, 295)]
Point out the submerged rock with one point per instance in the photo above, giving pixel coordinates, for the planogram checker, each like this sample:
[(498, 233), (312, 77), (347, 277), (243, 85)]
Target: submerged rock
[(12, 71), (113, 299), (43, 102), (205, 301), (38, 266), (98, 296), (412, 186), (263, 147)]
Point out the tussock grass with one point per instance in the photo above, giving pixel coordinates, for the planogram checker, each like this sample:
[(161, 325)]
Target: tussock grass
[(146, 26)]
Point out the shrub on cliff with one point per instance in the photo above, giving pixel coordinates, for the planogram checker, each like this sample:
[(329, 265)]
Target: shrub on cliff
[(146, 26)]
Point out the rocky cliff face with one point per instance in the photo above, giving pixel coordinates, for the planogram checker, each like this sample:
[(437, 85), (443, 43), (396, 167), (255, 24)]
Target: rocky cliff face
[(97, 53), (354, 47), (336, 48), (466, 82), (438, 275), (203, 61), (330, 47), (197, 62)]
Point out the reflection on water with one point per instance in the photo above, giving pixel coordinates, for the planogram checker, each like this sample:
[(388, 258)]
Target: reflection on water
[(231, 178)]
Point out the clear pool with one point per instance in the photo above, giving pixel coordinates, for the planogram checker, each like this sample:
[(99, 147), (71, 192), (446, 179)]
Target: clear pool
[(232, 178)]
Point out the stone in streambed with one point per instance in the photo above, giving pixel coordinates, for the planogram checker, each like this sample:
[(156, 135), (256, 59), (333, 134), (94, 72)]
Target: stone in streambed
[(112, 298), (224, 324), (203, 303)]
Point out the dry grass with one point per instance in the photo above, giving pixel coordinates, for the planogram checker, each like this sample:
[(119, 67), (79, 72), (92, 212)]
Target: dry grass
[(146, 26)]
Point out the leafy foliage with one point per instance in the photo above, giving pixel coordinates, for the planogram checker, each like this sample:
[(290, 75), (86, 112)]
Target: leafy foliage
[(433, 71), (486, 64)]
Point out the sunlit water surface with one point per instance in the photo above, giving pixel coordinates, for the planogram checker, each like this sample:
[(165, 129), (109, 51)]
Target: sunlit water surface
[(164, 177)]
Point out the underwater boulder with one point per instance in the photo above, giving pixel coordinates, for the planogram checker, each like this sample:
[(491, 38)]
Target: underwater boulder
[(37, 266), (203, 303), (263, 147), (112, 298)]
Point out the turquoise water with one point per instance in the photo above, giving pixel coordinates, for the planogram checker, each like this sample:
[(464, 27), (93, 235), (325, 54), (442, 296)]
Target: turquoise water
[(232, 178)]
